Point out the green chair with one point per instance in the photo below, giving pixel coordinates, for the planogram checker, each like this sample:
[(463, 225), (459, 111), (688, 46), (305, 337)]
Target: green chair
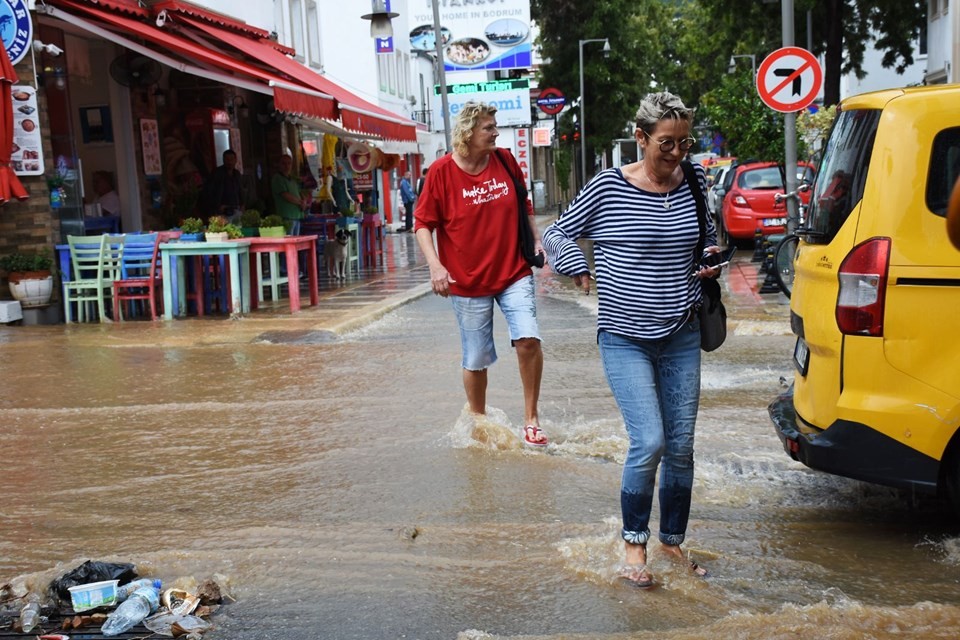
[(96, 263)]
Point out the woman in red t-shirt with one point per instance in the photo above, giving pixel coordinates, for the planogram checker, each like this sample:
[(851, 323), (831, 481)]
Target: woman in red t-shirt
[(469, 202)]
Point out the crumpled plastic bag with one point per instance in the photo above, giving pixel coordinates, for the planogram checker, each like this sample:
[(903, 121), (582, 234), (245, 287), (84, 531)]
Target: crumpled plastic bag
[(91, 571), (163, 623)]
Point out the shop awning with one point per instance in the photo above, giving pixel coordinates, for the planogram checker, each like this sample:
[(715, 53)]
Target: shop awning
[(210, 64), (190, 9), (131, 7), (356, 114)]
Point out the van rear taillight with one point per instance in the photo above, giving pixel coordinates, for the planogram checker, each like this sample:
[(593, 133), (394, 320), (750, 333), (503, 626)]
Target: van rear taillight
[(863, 288)]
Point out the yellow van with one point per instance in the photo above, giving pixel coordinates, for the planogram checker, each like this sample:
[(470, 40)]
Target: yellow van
[(876, 299)]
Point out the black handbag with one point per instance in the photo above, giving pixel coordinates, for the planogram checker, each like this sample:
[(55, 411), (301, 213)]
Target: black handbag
[(525, 233), (712, 314)]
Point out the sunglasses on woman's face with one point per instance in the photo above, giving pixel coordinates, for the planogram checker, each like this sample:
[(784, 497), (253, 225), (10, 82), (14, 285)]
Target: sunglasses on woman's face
[(667, 145)]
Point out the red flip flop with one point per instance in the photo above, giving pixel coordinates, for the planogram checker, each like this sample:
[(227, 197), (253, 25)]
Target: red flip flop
[(532, 435)]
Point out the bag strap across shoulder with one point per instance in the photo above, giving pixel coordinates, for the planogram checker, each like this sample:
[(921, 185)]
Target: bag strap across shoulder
[(690, 175)]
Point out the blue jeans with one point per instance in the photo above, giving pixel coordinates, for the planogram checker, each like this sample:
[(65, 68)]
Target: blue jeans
[(656, 384)]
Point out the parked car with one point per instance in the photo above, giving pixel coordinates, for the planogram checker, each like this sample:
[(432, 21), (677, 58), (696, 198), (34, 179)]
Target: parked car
[(876, 294), (715, 190), (750, 203)]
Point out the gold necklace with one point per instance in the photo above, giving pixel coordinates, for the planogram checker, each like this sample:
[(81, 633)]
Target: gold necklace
[(665, 195)]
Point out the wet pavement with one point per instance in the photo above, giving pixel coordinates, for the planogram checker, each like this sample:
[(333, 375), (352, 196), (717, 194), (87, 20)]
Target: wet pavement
[(324, 465)]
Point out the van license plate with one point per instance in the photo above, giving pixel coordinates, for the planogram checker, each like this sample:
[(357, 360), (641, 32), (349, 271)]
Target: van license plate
[(774, 222), (801, 356)]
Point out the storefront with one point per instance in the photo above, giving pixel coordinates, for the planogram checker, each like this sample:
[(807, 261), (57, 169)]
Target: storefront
[(151, 97)]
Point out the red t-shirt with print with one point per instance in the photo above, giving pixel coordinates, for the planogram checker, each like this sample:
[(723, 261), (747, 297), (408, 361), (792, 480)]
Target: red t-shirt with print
[(475, 220)]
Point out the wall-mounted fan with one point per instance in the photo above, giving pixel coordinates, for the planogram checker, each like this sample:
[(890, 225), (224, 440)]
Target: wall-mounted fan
[(135, 71)]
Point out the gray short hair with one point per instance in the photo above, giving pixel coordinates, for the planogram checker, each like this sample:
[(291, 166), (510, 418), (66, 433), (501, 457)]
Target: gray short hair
[(466, 120), (657, 106)]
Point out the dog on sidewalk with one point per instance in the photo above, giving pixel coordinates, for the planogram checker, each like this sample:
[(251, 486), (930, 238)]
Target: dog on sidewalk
[(335, 255)]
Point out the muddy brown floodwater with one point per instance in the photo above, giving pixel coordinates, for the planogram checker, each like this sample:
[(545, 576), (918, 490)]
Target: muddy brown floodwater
[(340, 492)]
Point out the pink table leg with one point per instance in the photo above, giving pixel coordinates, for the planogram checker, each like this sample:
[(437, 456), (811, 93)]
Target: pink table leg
[(293, 280)]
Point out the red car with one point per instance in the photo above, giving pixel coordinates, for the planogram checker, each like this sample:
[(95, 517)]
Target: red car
[(749, 204)]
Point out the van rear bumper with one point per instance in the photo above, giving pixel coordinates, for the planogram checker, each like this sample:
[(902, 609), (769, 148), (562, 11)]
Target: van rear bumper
[(853, 450)]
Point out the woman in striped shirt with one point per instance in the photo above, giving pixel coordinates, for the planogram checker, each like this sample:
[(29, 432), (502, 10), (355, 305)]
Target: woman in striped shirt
[(642, 219)]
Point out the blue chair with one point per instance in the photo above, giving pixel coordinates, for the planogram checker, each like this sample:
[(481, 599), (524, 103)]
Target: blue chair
[(141, 274)]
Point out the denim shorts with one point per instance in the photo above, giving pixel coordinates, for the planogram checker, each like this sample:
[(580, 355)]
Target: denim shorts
[(475, 319)]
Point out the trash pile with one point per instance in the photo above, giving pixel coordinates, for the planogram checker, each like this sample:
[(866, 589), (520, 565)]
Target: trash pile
[(111, 597)]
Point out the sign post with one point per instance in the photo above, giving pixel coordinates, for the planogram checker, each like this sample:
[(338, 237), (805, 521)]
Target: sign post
[(789, 80)]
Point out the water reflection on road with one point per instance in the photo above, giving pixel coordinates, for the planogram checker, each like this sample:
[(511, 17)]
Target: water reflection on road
[(341, 493)]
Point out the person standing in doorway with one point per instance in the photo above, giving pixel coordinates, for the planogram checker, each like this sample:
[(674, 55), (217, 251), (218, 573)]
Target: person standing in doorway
[(408, 197), (642, 220), (286, 195), (469, 203), (223, 193)]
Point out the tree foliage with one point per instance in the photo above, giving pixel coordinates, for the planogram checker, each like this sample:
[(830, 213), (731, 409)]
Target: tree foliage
[(751, 129), (841, 31), (613, 85)]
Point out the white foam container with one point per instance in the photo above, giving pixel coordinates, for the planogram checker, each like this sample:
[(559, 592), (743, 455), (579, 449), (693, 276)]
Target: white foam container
[(93, 595)]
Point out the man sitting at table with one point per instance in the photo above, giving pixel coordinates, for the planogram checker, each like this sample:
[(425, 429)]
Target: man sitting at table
[(107, 197)]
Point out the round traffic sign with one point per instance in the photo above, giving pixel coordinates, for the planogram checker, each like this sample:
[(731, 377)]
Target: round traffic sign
[(551, 101), (789, 79)]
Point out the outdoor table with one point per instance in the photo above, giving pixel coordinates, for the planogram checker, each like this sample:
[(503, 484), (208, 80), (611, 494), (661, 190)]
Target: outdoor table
[(290, 246), (172, 255)]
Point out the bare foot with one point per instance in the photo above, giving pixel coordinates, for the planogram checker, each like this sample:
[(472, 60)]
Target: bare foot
[(676, 554)]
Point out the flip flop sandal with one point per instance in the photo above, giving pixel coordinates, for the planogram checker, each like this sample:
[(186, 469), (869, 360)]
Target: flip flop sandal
[(637, 577), (531, 436), (697, 570)]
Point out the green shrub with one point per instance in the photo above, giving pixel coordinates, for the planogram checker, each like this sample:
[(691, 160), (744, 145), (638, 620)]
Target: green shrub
[(271, 221), (16, 262), (250, 218), (191, 225)]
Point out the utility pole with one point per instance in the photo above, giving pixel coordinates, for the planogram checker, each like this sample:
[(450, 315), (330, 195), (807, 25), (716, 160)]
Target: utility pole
[(441, 74), (790, 130)]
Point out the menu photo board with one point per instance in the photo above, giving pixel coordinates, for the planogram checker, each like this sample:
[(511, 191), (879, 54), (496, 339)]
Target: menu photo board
[(26, 157)]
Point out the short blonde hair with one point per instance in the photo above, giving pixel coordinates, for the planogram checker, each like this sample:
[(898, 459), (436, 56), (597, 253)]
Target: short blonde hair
[(657, 106), (466, 120)]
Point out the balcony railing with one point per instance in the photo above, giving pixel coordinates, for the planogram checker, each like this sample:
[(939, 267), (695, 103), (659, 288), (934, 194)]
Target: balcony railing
[(424, 117)]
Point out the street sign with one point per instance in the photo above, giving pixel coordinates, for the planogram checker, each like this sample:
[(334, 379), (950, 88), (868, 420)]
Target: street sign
[(789, 79), (551, 101)]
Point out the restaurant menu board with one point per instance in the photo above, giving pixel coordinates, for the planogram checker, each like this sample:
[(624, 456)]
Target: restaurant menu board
[(26, 157)]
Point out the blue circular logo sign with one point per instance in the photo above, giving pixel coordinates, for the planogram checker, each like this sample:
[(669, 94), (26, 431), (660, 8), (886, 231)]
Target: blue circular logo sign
[(16, 28)]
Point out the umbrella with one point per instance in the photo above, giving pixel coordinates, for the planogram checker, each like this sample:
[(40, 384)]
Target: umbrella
[(10, 186)]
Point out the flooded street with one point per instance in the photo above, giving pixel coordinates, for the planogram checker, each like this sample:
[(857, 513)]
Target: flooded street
[(339, 491)]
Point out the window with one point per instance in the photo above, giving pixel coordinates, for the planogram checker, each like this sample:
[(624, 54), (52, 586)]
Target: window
[(944, 169), (843, 173), (314, 59), (296, 27)]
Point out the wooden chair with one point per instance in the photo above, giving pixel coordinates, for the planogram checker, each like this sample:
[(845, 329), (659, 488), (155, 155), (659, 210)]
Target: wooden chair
[(141, 274), (96, 263)]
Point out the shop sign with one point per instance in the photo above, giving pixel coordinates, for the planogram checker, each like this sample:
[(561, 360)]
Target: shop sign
[(474, 36), (542, 136), (16, 28), (363, 181), (26, 158), (510, 97)]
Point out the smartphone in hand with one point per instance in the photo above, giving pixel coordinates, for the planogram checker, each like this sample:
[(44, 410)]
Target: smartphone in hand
[(720, 259)]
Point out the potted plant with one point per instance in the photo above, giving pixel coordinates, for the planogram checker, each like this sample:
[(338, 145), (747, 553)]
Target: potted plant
[(216, 229), (29, 277), (250, 222), (192, 230), (272, 227)]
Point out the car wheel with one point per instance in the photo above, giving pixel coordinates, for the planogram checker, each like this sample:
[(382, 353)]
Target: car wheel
[(723, 239)]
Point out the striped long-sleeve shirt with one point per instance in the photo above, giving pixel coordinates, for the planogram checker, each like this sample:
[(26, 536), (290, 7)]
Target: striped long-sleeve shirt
[(643, 252)]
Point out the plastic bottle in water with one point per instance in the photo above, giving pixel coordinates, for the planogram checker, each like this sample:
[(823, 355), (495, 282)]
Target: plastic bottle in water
[(30, 614), (126, 590), (131, 611)]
